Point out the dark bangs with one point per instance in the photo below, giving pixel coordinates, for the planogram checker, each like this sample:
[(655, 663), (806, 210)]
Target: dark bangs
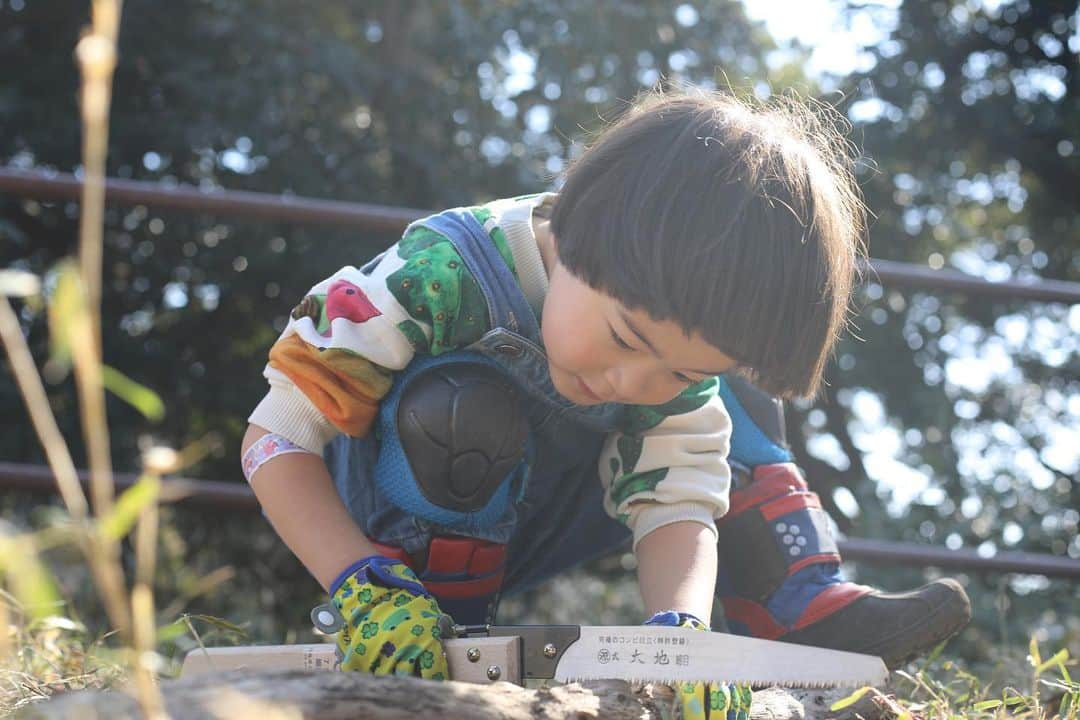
[(721, 218)]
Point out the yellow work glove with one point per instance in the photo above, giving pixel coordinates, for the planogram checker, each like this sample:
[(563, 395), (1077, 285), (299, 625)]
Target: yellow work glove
[(705, 701), (386, 622)]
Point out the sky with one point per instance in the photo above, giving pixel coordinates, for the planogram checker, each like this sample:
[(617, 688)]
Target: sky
[(813, 22)]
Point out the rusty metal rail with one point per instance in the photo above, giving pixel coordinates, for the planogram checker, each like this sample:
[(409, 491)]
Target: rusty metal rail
[(201, 494), (204, 494), (260, 206), (381, 218)]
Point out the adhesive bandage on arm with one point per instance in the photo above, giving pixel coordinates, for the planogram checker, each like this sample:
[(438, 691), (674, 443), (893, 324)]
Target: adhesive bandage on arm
[(265, 448)]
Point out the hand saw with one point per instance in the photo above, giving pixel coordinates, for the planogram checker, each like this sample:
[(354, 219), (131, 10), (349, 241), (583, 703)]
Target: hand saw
[(569, 653)]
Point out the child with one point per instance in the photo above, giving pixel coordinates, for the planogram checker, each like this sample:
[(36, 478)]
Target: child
[(516, 388)]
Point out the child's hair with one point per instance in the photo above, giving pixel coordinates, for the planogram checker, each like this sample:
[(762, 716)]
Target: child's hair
[(739, 220)]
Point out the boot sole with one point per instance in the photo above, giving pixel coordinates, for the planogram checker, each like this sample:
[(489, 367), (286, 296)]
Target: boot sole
[(945, 620)]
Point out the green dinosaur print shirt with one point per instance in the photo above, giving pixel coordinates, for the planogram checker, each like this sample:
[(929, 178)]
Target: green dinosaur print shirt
[(336, 358)]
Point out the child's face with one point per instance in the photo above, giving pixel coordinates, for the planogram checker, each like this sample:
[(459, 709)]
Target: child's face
[(599, 351)]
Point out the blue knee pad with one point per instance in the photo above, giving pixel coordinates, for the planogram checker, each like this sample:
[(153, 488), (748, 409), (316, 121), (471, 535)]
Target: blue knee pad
[(394, 475)]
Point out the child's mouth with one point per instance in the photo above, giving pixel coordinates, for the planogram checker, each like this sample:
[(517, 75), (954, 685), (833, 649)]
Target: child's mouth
[(587, 392)]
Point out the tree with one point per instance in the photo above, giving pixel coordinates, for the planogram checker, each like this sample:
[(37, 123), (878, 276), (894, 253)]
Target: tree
[(969, 113)]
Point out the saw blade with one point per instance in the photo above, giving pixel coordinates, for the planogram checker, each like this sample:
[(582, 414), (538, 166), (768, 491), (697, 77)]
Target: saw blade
[(676, 655)]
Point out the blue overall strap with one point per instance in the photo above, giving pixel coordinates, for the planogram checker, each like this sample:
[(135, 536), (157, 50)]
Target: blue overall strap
[(749, 444), (465, 573), (507, 306)]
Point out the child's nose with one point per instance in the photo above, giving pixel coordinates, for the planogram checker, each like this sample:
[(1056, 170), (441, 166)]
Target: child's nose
[(631, 382)]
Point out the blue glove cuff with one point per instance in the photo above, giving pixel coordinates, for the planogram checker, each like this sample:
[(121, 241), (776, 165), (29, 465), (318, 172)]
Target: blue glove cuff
[(673, 618), (375, 569)]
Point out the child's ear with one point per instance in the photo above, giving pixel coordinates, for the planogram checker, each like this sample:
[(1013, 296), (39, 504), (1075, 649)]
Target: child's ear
[(554, 240), (549, 249)]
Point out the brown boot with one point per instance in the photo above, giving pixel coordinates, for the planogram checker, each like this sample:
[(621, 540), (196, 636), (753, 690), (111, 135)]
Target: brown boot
[(780, 579), (897, 627)]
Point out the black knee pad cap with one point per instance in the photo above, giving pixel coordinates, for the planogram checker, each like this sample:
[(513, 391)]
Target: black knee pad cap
[(463, 429)]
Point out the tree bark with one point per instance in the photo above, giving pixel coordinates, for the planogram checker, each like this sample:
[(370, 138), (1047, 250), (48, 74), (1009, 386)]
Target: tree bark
[(303, 695)]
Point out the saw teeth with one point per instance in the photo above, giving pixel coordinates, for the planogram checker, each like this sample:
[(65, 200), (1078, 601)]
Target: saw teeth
[(804, 684), (811, 684)]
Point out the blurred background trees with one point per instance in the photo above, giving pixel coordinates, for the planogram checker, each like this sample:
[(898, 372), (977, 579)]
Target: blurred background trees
[(948, 419)]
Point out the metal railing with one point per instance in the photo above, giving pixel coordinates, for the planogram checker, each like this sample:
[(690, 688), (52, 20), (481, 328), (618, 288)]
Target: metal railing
[(225, 496), (379, 218)]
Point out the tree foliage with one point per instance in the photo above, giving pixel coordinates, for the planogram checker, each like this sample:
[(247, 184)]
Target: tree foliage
[(967, 115), (970, 112)]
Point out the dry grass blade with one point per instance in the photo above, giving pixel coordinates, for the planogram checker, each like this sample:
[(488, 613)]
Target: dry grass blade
[(107, 574), (53, 654), (96, 55), (144, 637), (37, 404), (19, 283), (77, 331)]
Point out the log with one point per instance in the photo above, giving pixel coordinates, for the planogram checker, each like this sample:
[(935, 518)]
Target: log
[(304, 695)]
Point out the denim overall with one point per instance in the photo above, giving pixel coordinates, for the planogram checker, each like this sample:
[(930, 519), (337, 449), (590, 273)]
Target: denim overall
[(553, 518)]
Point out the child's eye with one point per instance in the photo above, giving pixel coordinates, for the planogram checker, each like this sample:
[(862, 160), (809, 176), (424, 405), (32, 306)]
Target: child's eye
[(618, 340), (683, 379)]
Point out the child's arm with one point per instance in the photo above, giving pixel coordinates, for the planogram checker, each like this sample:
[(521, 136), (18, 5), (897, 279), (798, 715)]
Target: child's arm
[(677, 569), (668, 463), (332, 366), (299, 497), (666, 477)]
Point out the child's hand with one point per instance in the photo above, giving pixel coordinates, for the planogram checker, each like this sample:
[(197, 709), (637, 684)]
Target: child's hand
[(386, 622), (701, 701)]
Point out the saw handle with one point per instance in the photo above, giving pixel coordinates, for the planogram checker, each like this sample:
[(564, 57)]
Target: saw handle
[(476, 653), (482, 660), (541, 645)]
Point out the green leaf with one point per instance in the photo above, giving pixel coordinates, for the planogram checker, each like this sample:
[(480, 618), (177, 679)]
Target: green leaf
[(850, 699), (168, 633), (30, 581), (987, 705), (934, 654), (138, 396), (67, 311), (119, 522), (1059, 658), (217, 623)]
